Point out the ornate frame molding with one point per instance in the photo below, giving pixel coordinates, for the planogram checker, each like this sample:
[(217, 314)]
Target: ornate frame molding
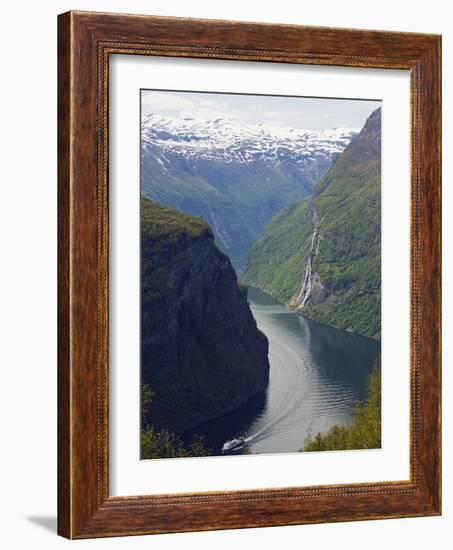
[(86, 40)]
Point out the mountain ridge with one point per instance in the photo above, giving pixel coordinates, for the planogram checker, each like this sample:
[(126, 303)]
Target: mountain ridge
[(234, 175), (321, 256), (224, 135)]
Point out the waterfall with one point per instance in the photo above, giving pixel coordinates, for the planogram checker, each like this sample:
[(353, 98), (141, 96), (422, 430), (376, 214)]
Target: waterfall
[(307, 281)]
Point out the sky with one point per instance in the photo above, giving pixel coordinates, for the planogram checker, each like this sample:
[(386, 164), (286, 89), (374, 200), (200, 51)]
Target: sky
[(294, 112)]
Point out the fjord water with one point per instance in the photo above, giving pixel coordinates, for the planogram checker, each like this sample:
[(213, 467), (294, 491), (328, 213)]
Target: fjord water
[(317, 374)]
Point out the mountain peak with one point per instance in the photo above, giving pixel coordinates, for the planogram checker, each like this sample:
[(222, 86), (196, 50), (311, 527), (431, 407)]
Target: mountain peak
[(233, 174), (241, 140)]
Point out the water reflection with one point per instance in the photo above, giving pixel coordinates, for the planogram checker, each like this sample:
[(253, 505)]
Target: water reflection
[(317, 374)]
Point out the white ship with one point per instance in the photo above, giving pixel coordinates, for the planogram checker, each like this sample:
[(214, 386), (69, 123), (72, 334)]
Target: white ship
[(233, 445)]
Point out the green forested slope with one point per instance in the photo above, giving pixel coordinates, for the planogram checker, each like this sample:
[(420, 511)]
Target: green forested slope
[(322, 255)]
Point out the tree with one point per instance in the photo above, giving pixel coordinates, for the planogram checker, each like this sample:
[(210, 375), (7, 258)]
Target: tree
[(165, 444)]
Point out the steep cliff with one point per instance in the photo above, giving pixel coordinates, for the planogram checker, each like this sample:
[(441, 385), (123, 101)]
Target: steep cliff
[(322, 256), (202, 354)]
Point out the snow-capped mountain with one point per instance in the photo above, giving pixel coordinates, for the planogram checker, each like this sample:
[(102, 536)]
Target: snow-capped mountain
[(233, 174), (231, 140)]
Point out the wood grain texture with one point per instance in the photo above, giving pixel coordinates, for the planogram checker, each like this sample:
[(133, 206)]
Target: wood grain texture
[(86, 40), (64, 368)]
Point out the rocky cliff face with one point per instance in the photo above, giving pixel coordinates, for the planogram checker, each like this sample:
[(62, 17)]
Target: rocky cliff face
[(202, 353), (322, 256)]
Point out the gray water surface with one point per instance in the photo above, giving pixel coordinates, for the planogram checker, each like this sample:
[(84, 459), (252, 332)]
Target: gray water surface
[(317, 374)]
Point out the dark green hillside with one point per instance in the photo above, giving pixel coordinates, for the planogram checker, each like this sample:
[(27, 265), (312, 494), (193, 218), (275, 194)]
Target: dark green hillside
[(202, 353), (322, 255), (167, 224), (236, 203), (194, 195)]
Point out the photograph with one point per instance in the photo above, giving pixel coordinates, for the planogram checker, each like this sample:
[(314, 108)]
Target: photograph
[(227, 275), (260, 274), (249, 281)]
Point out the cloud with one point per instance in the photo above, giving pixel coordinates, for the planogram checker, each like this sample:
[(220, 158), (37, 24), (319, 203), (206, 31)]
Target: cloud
[(189, 105), (304, 113), (158, 101)]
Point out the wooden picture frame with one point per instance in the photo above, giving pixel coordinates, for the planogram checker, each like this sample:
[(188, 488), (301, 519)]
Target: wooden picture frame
[(85, 42)]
